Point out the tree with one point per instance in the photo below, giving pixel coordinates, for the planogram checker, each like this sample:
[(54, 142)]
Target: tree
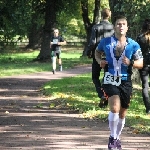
[(75, 18), (22, 18), (14, 19), (87, 24), (35, 28), (50, 19), (51, 9), (136, 12)]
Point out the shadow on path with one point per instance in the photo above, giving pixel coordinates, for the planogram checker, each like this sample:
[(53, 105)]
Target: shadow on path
[(25, 126)]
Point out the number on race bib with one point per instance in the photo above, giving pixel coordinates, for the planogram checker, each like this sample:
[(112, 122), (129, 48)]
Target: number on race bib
[(110, 79)]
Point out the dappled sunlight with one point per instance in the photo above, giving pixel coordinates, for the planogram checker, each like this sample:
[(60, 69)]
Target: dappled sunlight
[(21, 132), (78, 93), (66, 117), (52, 129)]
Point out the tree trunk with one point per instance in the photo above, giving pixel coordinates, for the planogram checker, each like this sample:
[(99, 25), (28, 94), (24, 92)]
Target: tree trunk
[(34, 37), (50, 19)]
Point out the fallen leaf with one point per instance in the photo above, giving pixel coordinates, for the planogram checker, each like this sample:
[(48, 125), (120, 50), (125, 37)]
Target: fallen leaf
[(52, 105), (6, 112)]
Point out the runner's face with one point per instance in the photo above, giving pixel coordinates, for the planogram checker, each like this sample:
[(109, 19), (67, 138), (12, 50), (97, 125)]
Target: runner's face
[(121, 27), (56, 33)]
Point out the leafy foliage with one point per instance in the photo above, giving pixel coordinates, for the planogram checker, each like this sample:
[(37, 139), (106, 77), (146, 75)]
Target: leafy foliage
[(16, 17), (20, 16), (136, 13)]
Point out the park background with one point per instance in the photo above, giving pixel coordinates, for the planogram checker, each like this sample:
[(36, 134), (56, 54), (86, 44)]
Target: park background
[(25, 31), (30, 23)]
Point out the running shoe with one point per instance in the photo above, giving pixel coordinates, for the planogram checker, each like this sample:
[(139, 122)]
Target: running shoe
[(118, 144), (60, 68), (112, 143), (53, 71)]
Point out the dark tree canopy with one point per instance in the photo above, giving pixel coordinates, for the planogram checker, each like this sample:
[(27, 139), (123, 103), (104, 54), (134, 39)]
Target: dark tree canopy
[(35, 19)]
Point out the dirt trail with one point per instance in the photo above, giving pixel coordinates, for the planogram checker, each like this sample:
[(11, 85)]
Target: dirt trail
[(23, 126)]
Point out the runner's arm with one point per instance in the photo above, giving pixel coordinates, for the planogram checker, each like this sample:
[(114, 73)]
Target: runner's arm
[(138, 60), (138, 64), (99, 58)]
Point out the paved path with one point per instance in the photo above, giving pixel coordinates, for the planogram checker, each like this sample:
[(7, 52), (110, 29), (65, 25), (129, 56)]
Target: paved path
[(23, 126)]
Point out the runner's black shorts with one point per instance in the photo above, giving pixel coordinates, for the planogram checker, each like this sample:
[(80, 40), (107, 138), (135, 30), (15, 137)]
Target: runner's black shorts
[(56, 53), (124, 91)]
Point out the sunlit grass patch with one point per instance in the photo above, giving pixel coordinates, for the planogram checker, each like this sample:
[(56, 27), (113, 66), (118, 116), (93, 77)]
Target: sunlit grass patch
[(136, 117), (79, 93), (13, 63)]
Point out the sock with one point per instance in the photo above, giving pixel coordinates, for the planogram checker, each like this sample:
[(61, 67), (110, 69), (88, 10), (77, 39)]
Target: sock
[(120, 126), (60, 67), (54, 63), (113, 121)]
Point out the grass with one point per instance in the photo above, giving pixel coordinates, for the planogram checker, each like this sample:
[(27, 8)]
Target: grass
[(21, 63), (77, 93)]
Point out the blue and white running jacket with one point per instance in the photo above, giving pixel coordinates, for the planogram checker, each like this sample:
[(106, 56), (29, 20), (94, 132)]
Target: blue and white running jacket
[(132, 51)]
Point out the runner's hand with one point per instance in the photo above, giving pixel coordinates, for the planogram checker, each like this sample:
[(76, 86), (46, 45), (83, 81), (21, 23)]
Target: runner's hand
[(126, 61), (103, 63)]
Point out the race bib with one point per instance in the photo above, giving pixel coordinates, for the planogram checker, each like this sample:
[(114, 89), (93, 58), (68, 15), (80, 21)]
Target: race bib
[(55, 41), (110, 79)]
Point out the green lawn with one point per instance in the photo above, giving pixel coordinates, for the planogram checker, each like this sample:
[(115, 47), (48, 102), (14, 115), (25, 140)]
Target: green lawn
[(78, 93), (21, 63)]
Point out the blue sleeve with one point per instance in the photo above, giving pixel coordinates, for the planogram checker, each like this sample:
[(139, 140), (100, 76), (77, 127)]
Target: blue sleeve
[(101, 45)]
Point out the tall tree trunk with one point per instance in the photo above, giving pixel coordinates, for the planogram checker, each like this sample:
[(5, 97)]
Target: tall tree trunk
[(50, 19), (34, 37)]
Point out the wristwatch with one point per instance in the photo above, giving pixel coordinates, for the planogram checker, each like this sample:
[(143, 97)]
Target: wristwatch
[(131, 62)]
